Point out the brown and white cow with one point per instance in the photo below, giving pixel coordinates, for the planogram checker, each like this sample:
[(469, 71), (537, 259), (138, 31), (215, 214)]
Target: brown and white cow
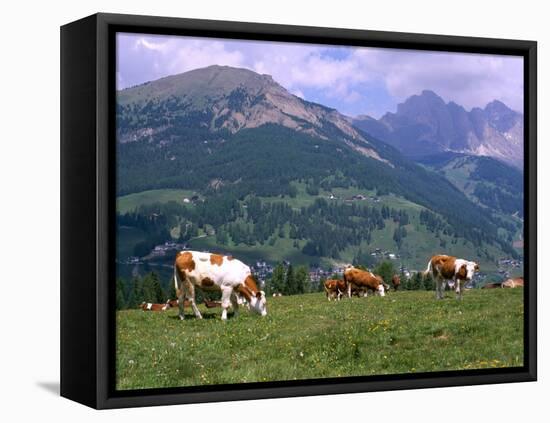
[(448, 268), (334, 288), (513, 283), (362, 281), (396, 281), (154, 307), (172, 303), (214, 272)]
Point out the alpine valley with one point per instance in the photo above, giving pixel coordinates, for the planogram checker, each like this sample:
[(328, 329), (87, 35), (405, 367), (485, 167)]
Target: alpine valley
[(225, 159)]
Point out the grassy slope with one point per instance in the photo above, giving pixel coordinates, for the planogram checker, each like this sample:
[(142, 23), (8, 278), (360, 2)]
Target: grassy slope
[(460, 177), (130, 202), (419, 242), (308, 337)]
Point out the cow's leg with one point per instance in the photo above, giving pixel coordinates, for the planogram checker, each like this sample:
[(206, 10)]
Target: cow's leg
[(181, 300), (458, 289), (226, 300), (439, 288), (190, 294), (444, 283), (235, 304), (180, 292)]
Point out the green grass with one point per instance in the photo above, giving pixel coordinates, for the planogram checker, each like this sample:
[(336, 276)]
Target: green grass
[(130, 202), (308, 337)]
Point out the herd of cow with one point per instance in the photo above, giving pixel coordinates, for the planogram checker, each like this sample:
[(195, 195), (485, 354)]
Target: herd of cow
[(225, 274), (442, 268)]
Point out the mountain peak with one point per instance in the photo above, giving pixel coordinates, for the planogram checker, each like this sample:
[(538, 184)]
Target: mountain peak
[(422, 103), (497, 106), (430, 94), (229, 98), (424, 124)]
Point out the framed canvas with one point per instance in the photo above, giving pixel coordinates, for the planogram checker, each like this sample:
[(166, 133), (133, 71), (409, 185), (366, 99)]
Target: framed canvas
[(258, 211)]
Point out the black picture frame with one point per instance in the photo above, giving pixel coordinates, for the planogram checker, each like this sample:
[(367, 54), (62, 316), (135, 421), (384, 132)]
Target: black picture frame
[(87, 209)]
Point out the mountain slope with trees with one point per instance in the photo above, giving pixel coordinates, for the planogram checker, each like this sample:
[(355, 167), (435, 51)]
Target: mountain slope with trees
[(239, 139)]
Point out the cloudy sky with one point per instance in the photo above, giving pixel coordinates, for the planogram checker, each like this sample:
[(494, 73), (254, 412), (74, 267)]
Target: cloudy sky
[(354, 80)]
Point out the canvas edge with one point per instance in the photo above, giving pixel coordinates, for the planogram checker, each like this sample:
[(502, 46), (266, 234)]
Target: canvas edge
[(78, 333), (104, 399)]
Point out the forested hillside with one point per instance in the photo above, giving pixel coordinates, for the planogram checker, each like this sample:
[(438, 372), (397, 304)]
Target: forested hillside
[(300, 182)]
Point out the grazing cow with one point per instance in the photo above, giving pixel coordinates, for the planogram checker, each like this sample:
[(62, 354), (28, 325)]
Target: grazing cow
[(154, 307), (396, 281), (363, 280), (214, 272), (513, 283), (335, 288), (444, 268)]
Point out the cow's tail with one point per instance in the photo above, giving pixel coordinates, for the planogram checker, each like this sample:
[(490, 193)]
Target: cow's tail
[(346, 282), (177, 281), (428, 270)]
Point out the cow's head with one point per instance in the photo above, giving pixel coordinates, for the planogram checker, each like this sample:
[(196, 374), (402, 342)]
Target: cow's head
[(258, 303), (469, 269)]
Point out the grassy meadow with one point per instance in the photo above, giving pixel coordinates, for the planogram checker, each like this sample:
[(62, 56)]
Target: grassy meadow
[(130, 202), (305, 336)]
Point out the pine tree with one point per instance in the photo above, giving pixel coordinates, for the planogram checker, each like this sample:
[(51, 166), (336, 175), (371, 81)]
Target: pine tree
[(302, 280), (152, 291), (171, 291), (429, 283), (386, 270), (417, 282), (135, 296), (278, 279), (120, 297), (290, 281)]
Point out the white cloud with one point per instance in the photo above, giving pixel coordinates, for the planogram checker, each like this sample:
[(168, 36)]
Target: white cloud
[(298, 93), (143, 42), (471, 80), (342, 75)]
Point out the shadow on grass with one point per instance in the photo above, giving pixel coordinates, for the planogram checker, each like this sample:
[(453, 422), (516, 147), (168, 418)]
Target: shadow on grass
[(204, 316)]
